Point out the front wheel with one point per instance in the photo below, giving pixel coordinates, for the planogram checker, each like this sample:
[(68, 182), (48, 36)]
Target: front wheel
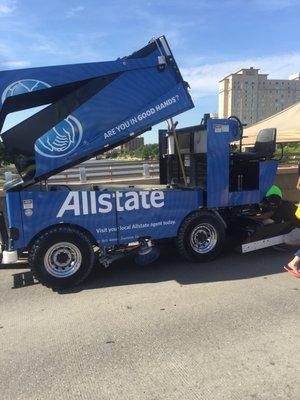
[(61, 257), (201, 237)]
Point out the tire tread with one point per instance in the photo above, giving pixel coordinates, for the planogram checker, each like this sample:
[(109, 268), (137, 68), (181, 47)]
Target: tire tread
[(35, 248), (184, 251)]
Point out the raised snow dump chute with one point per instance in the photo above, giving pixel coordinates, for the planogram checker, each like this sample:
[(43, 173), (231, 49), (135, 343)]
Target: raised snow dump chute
[(88, 108)]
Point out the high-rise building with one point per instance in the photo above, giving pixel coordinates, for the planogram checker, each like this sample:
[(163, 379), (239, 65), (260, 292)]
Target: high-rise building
[(251, 96), (133, 144)]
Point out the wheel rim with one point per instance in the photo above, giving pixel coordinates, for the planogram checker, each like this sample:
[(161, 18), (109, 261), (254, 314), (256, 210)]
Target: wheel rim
[(62, 259), (203, 238)]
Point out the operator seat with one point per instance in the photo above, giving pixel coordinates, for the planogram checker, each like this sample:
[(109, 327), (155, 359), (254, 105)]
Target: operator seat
[(264, 147)]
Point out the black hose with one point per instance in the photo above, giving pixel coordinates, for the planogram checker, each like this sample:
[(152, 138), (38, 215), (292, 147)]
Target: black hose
[(241, 128)]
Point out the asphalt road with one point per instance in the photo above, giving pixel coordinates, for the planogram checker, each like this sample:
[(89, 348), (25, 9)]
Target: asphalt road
[(222, 330)]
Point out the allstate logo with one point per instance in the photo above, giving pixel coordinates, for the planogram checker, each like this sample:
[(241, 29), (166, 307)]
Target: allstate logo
[(63, 138), (23, 86), (60, 140)]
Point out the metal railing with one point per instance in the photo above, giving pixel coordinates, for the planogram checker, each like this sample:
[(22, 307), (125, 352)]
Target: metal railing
[(290, 158), (101, 170), (113, 170)]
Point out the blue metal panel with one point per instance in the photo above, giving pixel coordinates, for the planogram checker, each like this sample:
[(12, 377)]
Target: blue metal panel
[(126, 109), (220, 132), (161, 221), (112, 217), (147, 89), (64, 74), (14, 215), (267, 175), (80, 208), (244, 197)]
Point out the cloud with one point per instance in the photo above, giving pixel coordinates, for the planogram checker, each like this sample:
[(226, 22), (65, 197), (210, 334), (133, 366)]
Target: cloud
[(204, 79), (73, 11), (7, 7), (78, 48), (275, 5), (8, 58), (15, 64)]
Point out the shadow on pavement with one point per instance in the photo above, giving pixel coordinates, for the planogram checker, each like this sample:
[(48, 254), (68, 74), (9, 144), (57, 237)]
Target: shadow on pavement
[(170, 266)]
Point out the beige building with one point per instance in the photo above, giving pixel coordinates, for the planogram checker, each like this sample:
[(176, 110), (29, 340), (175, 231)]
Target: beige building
[(251, 96)]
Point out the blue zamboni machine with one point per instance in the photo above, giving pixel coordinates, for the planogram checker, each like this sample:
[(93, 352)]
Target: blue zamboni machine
[(206, 194)]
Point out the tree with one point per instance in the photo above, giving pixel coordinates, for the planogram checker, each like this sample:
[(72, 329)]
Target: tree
[(147, 152), (4, 158)]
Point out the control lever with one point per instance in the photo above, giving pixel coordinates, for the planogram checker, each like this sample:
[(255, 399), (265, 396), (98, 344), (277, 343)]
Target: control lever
[(172, 129)]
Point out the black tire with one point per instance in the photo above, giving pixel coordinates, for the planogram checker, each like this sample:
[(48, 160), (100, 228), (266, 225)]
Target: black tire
[(74, 249), (201, 225)]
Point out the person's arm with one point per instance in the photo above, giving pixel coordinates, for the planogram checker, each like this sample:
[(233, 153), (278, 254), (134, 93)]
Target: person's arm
[(265, 215)]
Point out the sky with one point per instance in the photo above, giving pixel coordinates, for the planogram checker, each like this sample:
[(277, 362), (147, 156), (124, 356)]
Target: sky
[(209, 38)]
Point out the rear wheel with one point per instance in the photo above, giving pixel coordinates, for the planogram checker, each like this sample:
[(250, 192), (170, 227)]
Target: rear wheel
[(61, 257), (201, 237)]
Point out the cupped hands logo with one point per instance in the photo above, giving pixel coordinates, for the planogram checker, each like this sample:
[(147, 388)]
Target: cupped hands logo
[(63, 138), (60, 140)]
